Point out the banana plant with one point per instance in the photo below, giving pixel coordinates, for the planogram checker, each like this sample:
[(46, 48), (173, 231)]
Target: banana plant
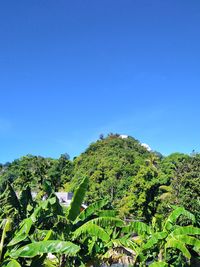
[(90, 228), (16, 206), (162, 245), (73, 236), (23, 238)]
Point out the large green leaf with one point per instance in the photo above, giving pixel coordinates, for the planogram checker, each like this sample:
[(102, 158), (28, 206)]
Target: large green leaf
[(75, 206), (47, 207), (177, 244), (91, 210), (154, 239), (175, 214), (47, 187), (13, 263), (108, 222), (50, 246), (190, 240), (139, 228), (9, 198), (22, 234), (40, 235), (186, 230), (13, 198), (107, 213), (125, 242), (91, 229)]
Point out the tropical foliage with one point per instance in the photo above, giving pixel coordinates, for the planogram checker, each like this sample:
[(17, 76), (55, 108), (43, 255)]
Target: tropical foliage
[(143, 208), (93, 236)]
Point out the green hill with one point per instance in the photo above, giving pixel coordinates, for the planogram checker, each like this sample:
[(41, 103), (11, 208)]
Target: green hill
[(116, 167), (138, 182)]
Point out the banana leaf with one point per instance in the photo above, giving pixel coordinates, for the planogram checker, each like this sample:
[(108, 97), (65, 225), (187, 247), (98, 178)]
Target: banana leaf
[(44, 247)]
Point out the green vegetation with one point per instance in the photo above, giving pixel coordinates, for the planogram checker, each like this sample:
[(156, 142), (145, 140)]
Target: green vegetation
[(35, 171), (143, 208), (93, 236)]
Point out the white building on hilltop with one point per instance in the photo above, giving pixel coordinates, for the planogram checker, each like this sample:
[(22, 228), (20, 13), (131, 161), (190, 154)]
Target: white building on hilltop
[(148, 148), (123, 136)]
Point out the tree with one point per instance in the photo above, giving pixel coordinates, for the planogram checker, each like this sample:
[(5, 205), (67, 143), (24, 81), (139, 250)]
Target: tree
[(185, 185), (141, 200), (59, 173)]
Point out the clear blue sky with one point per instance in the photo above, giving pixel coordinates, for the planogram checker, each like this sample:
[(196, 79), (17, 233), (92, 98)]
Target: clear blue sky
[(70, 70)]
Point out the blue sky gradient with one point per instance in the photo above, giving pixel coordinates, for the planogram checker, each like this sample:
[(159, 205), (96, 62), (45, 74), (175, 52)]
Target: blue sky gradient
[(71, 70)]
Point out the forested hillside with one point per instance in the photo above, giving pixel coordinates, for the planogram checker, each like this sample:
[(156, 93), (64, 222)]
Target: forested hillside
[(138, 182), (121, 170), (143, 208)]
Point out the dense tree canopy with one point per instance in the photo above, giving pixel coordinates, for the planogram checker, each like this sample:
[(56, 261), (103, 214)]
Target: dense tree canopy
[(186, 184), (112, 164), (138, 182), (35, 170)]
